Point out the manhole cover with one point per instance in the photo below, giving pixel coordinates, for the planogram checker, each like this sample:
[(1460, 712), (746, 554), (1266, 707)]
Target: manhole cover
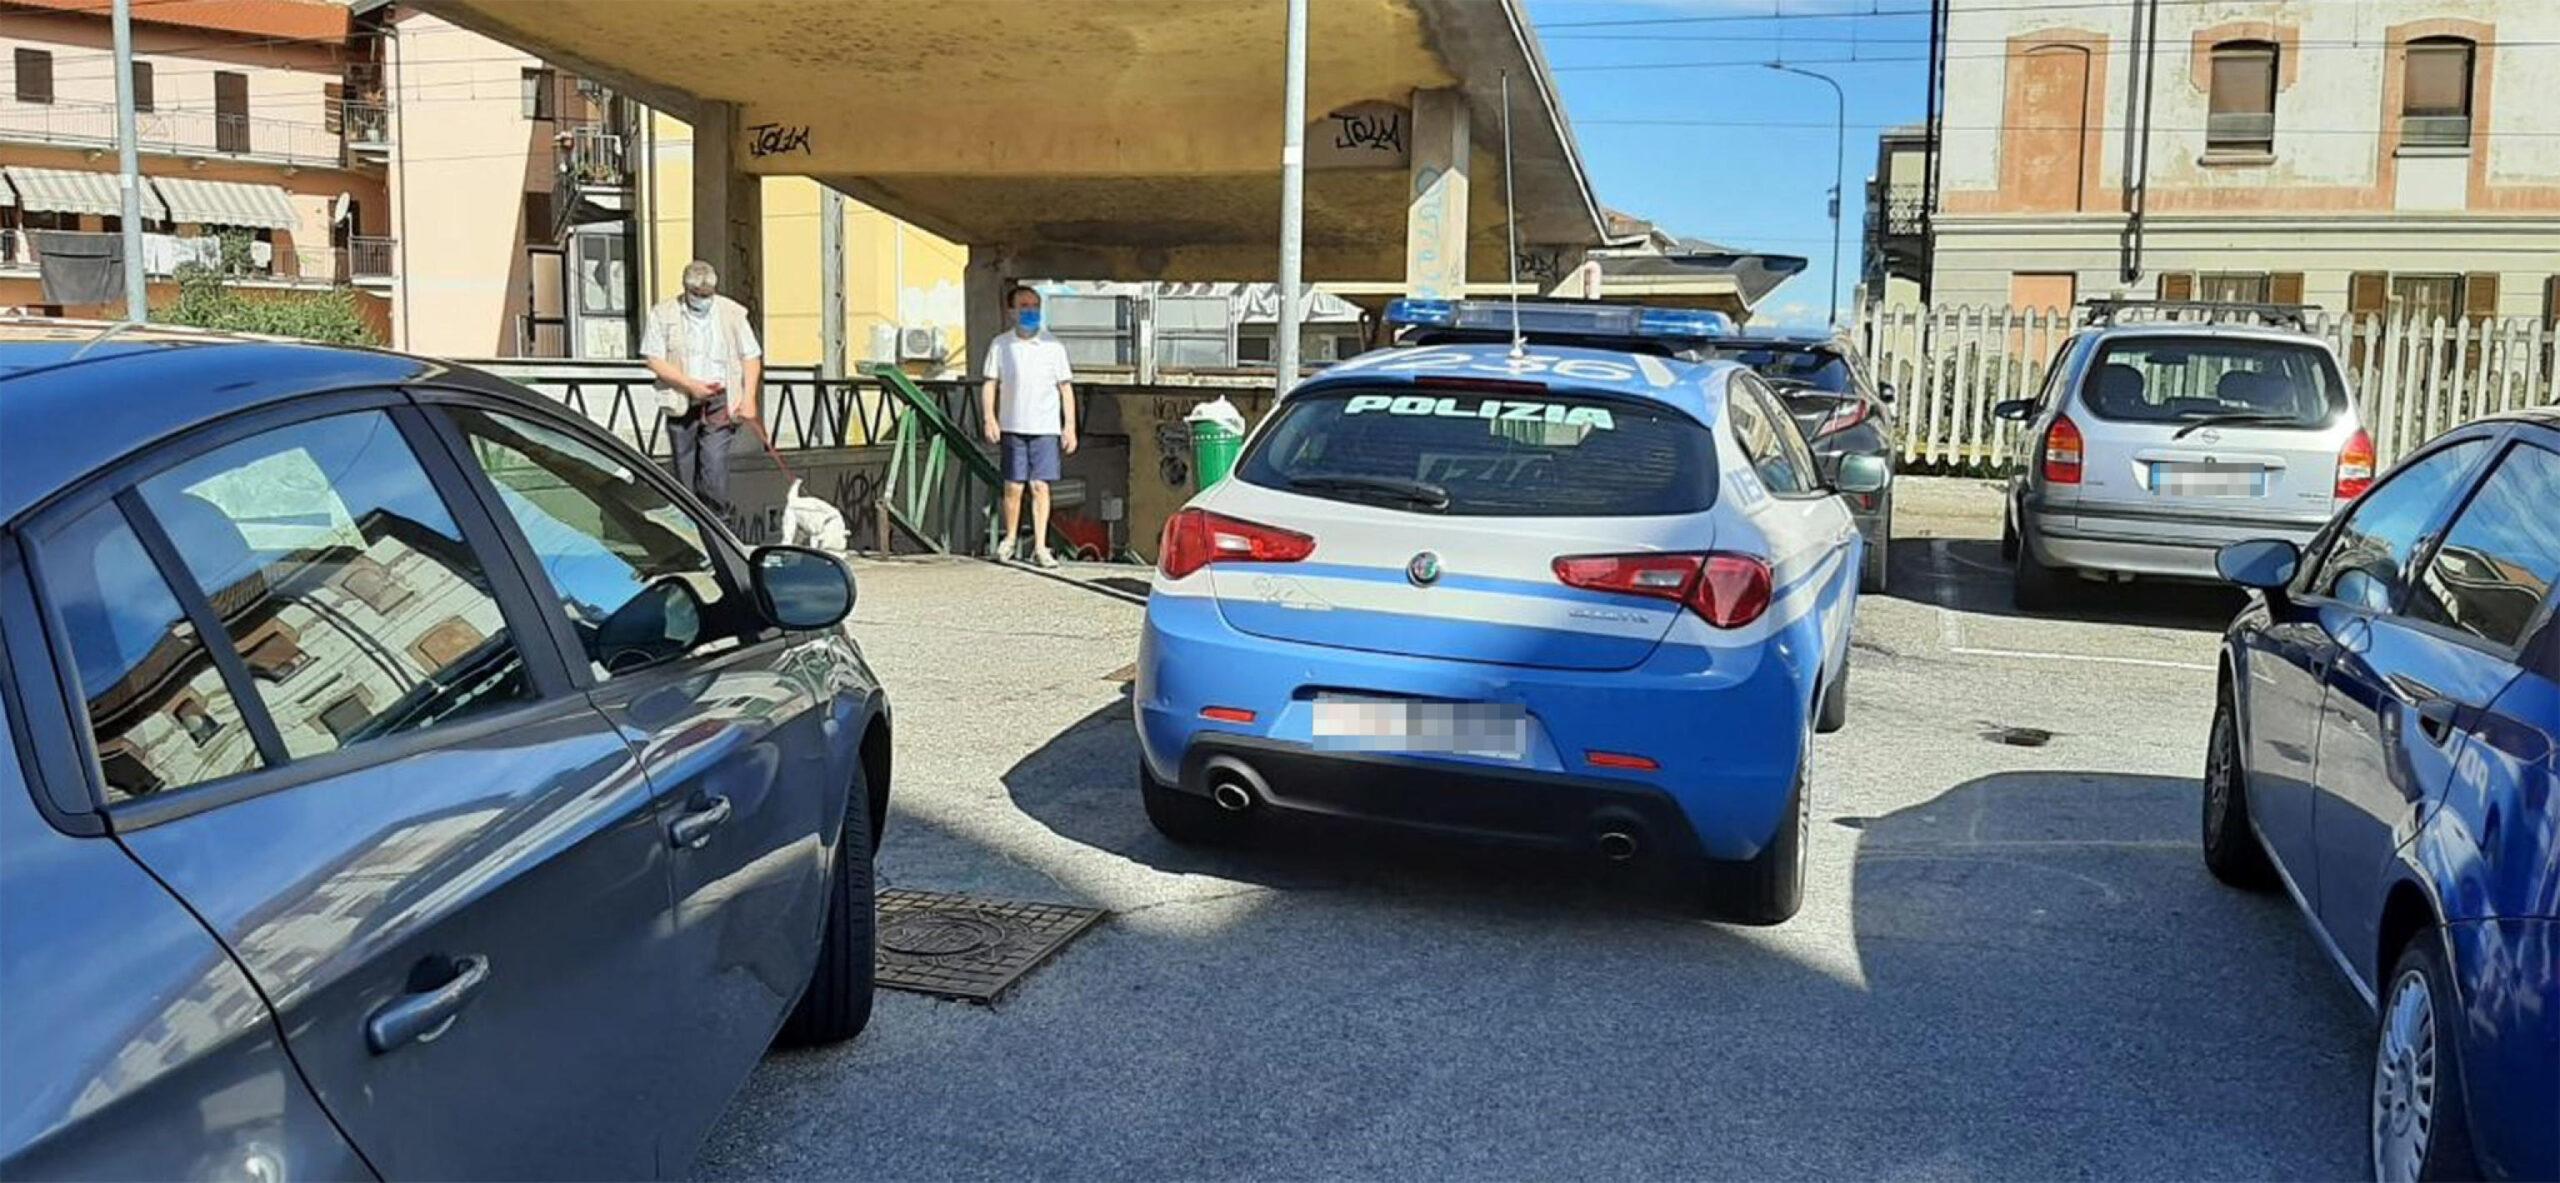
[(2019, 737), (957, 946)]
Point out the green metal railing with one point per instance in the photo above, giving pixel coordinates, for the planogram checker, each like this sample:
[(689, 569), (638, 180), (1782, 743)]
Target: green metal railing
[(940, 487)]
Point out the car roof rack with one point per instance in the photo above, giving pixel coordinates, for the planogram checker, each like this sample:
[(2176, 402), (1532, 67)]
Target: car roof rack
[(2105, 311)]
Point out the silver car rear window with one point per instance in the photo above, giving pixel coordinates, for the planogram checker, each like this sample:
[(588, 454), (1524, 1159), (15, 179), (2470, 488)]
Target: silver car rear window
[(2159, 379)]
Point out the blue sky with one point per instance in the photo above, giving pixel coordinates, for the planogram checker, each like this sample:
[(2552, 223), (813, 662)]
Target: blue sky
[(1745, 158)]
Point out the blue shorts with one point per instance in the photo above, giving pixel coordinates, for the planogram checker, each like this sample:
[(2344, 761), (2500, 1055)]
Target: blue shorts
[(1030, 458)]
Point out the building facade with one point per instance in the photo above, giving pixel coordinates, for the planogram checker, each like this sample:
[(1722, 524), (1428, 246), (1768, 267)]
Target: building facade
[(259, 123), (2366, 156)]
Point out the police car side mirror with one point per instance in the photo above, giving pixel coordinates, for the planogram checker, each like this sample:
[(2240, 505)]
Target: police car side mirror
[(2016, 409), (1862, 475)]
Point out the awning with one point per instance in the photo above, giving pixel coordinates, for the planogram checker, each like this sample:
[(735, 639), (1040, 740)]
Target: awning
[(64, 191), (228, 203)]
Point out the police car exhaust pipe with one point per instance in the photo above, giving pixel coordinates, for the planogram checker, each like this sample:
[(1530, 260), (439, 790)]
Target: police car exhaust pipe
[(1233, 784), (1617, 846)]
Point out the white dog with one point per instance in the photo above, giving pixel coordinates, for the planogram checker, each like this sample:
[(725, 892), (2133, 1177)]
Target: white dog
[(807, 521)]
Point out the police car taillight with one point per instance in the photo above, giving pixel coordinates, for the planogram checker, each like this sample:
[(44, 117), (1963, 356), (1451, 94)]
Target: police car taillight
[(1725, 590), (1195, 538)]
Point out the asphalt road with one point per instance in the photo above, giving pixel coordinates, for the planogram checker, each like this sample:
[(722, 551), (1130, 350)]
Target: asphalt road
[(2011, 963)]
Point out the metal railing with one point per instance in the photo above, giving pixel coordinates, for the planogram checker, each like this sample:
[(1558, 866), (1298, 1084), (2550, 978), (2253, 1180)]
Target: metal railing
[(1904, 210), (2240, 131), (369, 257), (591, 154), (2435, 131), (175, 132), (363, 125), (15, 250), (2411, 378)]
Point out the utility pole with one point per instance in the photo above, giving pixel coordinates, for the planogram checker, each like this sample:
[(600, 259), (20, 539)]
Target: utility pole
[(137, 299), (1839, 148), (831, 350), (1293, 194)]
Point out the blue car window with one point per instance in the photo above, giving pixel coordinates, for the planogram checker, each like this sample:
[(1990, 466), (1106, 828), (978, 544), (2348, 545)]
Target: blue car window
[(632, 569), (2367, 562), (342, 581), (2496, 564), (159, 715)]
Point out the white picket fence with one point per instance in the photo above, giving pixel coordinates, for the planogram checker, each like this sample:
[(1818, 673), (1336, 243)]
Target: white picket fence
[(2410, 379)]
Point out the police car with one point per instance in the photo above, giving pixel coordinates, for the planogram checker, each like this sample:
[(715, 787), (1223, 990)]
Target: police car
[(1581, 593)]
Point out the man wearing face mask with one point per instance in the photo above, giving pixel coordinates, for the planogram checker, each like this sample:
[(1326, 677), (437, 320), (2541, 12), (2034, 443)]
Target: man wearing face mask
[(1028, 403), (708, 366)]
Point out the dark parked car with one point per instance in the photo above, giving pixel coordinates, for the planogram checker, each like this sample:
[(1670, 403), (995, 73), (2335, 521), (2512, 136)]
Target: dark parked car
[(1842, 411), (2383, 748), (400, 776)]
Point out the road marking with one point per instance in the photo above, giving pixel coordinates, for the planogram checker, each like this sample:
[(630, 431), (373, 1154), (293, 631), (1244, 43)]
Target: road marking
[(2148, 662), (1951, 627)]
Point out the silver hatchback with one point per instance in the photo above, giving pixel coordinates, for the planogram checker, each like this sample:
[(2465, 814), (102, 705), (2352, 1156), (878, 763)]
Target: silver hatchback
[(2153, 444)]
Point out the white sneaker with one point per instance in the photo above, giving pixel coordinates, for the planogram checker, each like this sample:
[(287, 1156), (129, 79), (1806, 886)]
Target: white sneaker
[(1041, 558), (1010, 550)]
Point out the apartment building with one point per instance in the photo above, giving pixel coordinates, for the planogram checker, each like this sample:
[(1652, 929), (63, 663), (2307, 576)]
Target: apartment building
[(2364, 156), (258, 121)]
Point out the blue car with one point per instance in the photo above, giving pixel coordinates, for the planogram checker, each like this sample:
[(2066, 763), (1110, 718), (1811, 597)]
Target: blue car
[(400, 777), (1581, 591), (2384, 749)]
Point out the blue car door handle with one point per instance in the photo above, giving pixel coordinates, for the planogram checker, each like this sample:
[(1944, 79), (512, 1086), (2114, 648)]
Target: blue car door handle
[(423, 1016), (693, 829), (2435, 717)]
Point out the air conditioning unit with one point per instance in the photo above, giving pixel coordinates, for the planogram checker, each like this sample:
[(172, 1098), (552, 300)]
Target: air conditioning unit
[(920, 344), (884, 343)]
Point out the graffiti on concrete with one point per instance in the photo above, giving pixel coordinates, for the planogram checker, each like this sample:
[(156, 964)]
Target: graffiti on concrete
[(1173, 453), (776, 139), (1363, 135)]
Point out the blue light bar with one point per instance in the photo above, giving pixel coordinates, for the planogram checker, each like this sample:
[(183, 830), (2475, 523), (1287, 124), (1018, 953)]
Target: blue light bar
[(1566, 318)]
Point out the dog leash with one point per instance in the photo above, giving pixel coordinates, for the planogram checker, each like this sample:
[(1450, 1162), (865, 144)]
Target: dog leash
[(769, 450)]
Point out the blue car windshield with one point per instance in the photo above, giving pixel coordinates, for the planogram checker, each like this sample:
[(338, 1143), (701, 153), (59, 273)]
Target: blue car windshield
[(1456, 451)]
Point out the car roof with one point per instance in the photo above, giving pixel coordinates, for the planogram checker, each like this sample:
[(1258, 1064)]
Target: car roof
[(64, 414), (2178, 328), (1695, 388), (1781, 338)]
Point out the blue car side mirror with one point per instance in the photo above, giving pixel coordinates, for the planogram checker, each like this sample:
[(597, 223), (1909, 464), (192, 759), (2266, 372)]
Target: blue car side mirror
[(2263, 563), (802, 588)]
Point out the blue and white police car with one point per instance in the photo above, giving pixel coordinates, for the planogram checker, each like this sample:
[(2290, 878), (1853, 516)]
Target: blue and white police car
[(1564, 588)]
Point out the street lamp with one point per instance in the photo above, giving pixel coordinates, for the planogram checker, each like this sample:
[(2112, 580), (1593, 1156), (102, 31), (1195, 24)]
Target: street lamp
[(1839, 149)]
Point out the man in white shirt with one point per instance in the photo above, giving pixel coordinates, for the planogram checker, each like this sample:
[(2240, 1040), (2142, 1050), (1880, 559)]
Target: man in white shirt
[(1028, 403), (708, 366)]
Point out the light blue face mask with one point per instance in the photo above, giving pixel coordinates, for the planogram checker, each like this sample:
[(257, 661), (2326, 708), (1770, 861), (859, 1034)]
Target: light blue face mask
[(1027, 319)]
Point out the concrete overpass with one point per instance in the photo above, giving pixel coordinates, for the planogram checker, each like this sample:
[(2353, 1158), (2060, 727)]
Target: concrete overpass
[(1104, 139)]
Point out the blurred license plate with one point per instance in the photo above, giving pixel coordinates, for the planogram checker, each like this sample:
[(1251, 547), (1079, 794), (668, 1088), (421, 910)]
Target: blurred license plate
[(1349, 724), (2202, 480)]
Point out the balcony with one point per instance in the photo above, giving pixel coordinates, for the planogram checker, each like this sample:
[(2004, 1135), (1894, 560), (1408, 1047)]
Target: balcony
[(364, 126), (365, 261), (177, 133), (592, 179)]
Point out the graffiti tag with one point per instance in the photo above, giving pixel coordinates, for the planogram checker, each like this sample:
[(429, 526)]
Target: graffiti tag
[(1382, 130), (774, 139)]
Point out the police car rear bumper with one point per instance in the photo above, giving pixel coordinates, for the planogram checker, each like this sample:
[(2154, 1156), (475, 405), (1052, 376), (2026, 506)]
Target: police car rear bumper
[(1493, 805), (1725, 732)]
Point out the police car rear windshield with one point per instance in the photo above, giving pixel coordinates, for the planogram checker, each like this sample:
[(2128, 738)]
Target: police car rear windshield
[(2229, 381), (1487, 453)]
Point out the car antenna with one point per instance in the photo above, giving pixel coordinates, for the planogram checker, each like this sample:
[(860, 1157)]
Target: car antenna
[(103, 334), (1511, 224)]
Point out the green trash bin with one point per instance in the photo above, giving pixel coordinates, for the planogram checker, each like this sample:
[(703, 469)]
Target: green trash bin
[(1217, 434)]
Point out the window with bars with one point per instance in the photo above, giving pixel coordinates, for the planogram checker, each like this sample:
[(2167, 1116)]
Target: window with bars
[(2435, 95), (2242, 115)]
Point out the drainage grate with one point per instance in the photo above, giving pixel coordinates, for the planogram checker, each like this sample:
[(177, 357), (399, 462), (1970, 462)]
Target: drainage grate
[(957, 946), (1125, 583)]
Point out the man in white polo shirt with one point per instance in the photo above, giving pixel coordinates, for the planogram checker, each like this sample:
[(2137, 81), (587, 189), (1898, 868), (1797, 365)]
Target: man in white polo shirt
[(1028, 403)]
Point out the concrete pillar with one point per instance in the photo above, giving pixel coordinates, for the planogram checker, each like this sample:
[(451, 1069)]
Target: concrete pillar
[(982, 286), (728, 208), (1435, 226), (831, 345)]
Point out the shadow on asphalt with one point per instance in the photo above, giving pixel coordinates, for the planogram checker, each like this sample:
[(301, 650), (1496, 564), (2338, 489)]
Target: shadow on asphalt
[(1968, 575), (2042, 981)]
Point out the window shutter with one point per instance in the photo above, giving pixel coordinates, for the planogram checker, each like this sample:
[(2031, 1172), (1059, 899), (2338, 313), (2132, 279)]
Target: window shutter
[(2285, 287), (2177, 285), (2479, 296), (2551, 302), (2368, 293)]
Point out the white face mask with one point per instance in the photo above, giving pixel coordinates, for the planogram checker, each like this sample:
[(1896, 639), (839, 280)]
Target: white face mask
[(698, 303)]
